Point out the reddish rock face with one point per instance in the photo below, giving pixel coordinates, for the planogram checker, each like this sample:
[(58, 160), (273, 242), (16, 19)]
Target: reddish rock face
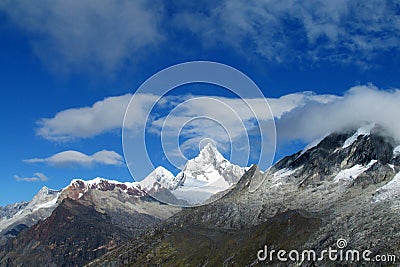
[(78, 187), (73, 191)]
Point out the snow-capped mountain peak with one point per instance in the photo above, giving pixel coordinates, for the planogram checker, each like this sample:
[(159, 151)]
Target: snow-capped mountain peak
[(364, 130), (77, 188), (209, 166), (45, 197), (209, 154), (160, 177), (40, 207), (99, 183), (206, 174)]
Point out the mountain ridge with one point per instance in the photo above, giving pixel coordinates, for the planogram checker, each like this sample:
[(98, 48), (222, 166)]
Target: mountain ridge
[(159, 184), (330, 191), (363, 210)]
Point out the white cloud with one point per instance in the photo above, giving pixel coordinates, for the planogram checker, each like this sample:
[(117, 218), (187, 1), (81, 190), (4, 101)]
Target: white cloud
[(77, 33), (72, 157), (233, 112), (103, 116), (37, 176), (358, 106), (302, 116), (108, 114), (187, 120), (230, 122), (227, 121)]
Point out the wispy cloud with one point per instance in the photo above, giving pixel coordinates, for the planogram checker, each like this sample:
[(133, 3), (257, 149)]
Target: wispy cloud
[(95, 33), (72, 157), (301, 31), (107, 33), (37, 176)]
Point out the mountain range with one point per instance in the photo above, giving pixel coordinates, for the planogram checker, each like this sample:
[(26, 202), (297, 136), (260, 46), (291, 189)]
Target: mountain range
[(201, 177), (345, 186)]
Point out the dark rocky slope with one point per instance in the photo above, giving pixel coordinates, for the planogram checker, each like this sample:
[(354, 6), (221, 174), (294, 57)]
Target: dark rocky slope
[(204, 245), (74, 234), (337, 191)]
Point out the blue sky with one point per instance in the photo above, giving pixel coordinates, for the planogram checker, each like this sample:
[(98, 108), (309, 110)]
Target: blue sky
[(58, 56)]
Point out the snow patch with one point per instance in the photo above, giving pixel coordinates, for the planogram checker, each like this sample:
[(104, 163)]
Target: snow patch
[(391, 166), (285, 172), (389, 190), (160, 177), (396, 151), (277, 178), (365, 130), (353, 172), (97, 181), (48, 204), (196, 192), (191, 182)]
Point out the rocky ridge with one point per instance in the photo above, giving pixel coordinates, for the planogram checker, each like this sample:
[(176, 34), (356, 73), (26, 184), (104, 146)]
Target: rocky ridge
[(348, 183)]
